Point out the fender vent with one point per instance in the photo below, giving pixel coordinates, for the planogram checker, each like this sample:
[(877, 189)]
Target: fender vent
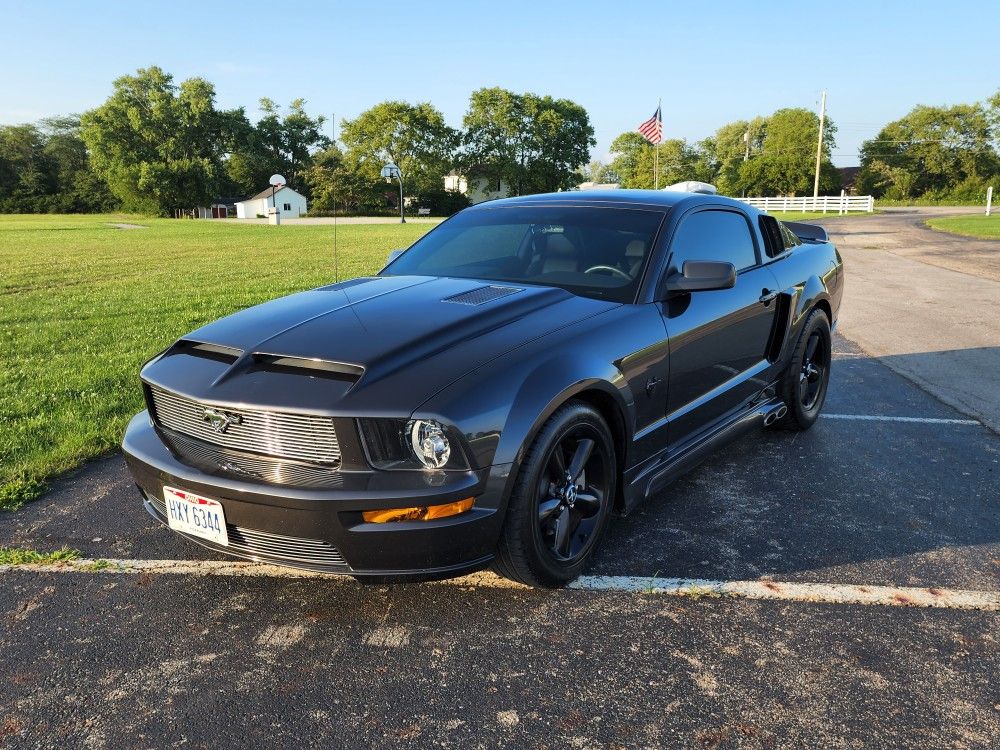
[(482, 295)]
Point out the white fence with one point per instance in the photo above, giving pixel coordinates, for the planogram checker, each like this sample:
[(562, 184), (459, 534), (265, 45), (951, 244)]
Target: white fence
[(842, 204)]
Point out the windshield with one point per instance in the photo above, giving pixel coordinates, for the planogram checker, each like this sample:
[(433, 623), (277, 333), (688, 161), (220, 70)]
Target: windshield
[(593, 252)]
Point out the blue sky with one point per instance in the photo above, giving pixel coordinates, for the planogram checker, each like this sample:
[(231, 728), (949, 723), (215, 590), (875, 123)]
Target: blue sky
[(711, 62)]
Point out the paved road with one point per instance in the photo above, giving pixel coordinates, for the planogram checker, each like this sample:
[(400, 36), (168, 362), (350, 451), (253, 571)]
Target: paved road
[(109, 660), (926, 303), (117, 661)]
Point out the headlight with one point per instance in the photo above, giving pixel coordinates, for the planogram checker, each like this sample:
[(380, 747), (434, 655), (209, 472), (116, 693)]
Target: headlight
[(411, 444), (429, 443)]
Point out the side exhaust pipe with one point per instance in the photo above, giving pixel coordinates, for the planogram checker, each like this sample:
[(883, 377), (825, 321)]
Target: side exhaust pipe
[(774, 414)]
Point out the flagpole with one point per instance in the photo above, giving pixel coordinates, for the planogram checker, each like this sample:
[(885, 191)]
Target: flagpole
[(656, 167), (656, 148)]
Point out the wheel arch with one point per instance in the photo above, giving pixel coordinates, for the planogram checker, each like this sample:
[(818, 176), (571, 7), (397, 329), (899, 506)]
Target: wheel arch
[(824, 305), (598, 393)]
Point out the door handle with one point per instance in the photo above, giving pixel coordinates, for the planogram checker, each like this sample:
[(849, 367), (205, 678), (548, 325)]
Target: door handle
[(767, 295), (651, 386)]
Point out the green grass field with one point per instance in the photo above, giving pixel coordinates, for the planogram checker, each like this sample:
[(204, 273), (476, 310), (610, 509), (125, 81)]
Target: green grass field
[(981, 226), (807, 215), (83, 305)]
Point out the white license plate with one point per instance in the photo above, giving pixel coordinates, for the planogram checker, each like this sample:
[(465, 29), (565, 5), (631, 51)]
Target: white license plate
[(196, 515)]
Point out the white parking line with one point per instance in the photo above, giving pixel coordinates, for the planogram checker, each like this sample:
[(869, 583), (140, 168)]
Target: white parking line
[(919, 420), (826, 593)]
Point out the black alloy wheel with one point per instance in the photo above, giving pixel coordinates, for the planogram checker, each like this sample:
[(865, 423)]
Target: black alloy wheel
[(561, 502), (571, 493), (812, 374), (805, 382)]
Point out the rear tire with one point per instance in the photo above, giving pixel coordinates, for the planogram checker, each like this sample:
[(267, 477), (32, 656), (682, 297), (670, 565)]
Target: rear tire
[(561, 501), (804, 384)]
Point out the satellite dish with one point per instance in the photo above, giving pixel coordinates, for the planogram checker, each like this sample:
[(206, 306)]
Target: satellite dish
[(277, 180)]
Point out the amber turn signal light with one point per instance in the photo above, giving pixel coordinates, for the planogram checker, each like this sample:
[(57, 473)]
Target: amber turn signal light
[(420, 513)]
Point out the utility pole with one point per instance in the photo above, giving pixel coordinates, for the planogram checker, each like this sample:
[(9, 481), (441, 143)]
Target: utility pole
[(819, 143)]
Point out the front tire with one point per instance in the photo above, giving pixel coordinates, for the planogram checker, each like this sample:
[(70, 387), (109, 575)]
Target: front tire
[(561, 501), (805, 382)]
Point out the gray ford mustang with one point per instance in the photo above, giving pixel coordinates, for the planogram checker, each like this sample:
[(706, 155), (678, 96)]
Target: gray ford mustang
[(523, 372)]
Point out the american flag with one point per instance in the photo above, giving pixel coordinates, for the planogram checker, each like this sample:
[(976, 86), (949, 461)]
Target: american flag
[(652, 129)]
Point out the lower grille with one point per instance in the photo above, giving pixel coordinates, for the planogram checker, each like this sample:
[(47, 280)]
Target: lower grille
[(314, 554)]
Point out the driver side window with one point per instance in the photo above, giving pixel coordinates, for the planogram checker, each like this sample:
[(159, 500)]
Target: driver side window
[(714, 235)]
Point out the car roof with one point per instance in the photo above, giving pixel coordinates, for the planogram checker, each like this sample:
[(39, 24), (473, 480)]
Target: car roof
[(659, 199)]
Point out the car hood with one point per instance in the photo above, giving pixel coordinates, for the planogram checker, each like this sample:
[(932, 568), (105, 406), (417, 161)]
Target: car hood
[(380, 345)]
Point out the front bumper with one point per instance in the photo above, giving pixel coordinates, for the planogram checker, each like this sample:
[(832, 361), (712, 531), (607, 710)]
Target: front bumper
[(322, 528)]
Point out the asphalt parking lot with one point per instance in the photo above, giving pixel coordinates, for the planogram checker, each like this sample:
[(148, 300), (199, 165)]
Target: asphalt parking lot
[(893, 488)]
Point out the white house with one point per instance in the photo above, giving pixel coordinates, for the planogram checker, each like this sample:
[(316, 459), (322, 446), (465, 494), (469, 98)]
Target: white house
[(478, 189), (289, 203)]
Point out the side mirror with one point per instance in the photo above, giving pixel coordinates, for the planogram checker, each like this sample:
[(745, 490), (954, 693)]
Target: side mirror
[(701, 276), (393, 254)]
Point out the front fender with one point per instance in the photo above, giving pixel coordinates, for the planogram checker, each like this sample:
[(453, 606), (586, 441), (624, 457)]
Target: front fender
[(552, 384)]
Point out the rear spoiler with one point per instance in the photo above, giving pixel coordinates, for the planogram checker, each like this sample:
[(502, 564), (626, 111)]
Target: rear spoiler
[(807, 232)]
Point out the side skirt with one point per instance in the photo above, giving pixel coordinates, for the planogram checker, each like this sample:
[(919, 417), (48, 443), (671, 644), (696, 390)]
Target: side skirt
[(672, 466)]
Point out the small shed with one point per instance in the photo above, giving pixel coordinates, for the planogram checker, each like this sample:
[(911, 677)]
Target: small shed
[(215, 211), (289, 202)]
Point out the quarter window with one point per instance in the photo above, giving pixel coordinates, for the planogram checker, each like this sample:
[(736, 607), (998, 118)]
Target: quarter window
[(714, 235)]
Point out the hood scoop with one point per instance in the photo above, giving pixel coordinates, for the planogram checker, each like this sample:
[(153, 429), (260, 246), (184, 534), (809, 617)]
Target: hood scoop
[(482, 295), (348, 372), (217, 352)]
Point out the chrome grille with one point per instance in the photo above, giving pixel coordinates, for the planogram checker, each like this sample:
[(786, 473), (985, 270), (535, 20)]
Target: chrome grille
[(290, 550), (301, 437), (219, 460)]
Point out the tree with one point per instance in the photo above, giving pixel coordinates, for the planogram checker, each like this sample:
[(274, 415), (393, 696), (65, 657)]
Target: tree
[(158, 146), (23, 180), (993, 113), (415, 137), (46, 168), (628, 159), (533, 143), (279, 143), (786, 162), (333, 186), (634, 159), (76, 188), (598, 172), (724, 152), (941, 151), (560, 139)]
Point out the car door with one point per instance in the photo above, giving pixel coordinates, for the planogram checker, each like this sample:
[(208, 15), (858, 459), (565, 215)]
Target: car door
[(719, 338)]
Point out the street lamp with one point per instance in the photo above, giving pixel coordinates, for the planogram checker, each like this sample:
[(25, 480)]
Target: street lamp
[(389, 171)]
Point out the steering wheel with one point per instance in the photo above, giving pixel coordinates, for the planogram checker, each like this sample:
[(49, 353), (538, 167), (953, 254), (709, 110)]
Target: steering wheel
[(614, 271)]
